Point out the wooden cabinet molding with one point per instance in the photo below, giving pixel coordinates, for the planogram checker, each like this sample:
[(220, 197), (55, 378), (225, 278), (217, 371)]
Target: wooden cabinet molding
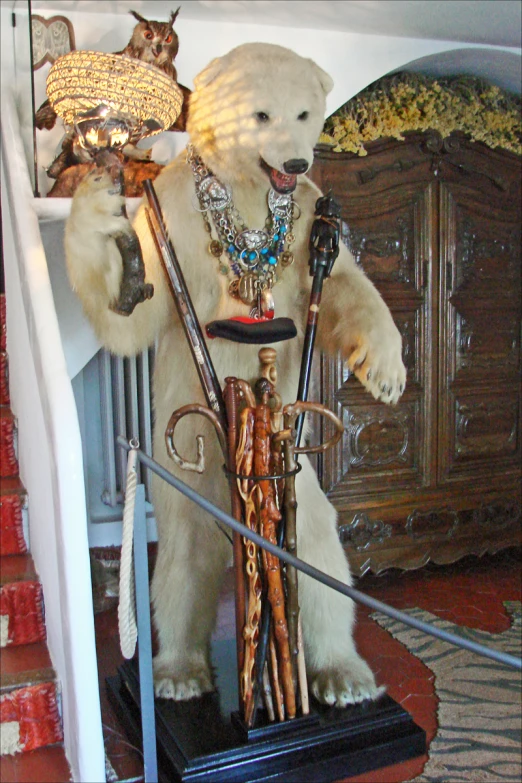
[(435, 223)]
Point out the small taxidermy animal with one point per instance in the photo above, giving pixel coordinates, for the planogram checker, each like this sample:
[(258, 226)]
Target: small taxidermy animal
[(151, 42), (154, 42)]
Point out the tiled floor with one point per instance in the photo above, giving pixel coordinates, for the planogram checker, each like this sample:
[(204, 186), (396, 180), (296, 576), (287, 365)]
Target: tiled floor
[(470, 592), (45, 765)]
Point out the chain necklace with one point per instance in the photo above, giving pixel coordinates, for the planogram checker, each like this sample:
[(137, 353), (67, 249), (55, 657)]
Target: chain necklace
[(251, 258)]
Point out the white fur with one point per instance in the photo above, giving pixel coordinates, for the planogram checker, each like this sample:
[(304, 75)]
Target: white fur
[(192, 552)]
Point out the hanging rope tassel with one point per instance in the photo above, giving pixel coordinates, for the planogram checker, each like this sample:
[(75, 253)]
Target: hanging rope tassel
[(126, 607)]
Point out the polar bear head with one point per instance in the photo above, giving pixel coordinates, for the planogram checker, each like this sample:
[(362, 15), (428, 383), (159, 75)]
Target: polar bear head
[(256, 114)]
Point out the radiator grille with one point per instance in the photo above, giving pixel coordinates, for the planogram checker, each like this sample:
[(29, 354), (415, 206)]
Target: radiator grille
[(126, 409)]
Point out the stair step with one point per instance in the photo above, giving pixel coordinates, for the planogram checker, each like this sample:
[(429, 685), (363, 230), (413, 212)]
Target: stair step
[(13, 500), (21, 607), (8, 458), (30, 718), (18, 662), (17, 568)]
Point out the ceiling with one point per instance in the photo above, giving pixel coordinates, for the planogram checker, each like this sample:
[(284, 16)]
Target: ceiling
[(479, 23), (495, 22)]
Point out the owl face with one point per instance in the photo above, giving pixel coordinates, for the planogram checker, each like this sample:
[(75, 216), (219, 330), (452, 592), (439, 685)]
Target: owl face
[(154, 42)]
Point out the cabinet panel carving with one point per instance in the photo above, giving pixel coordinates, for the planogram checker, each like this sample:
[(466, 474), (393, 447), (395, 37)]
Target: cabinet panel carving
[(377, 438), (503, 513), (435, 223), (487, 344), (384, 255), (486, 263), (440, 522), (486, 427), (362, 532)]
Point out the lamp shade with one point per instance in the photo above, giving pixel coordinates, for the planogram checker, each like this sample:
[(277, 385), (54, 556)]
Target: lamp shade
[(147, 98)]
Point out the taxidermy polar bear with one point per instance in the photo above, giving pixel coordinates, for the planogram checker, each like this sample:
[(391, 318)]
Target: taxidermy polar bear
[(255, 116)]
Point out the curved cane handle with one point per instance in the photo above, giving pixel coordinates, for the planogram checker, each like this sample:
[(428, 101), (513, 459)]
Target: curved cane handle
[(202, 410), (293, 411)]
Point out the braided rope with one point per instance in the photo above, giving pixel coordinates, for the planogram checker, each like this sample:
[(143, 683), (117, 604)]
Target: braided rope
[(126, 608)]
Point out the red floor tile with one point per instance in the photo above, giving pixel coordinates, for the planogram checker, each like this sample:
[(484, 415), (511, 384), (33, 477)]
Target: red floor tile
[(470, 592), (45, 765)]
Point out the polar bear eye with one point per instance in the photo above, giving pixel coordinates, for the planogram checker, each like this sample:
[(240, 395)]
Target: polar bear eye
[(303, 116), (261, 116)]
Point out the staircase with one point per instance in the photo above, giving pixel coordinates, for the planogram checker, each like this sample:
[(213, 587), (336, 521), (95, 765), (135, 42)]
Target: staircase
[(31, 728)]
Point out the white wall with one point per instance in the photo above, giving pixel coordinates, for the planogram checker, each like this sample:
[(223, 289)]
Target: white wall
[(353, 60)]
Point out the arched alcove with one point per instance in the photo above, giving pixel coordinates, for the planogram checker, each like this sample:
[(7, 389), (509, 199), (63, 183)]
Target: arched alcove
[(493, 65)]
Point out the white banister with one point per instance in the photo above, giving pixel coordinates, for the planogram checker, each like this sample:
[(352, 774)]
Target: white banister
[(50, 455)]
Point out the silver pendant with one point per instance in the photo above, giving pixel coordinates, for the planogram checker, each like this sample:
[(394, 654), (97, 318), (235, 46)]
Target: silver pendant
[(213, 194), (252, 239), (280, 204)]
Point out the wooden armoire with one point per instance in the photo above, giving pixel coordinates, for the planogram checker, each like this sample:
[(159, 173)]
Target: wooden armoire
[(435, 223)]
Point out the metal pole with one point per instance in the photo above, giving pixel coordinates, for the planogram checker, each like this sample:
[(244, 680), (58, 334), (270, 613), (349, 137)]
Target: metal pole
[(141, 577), (315, 573)]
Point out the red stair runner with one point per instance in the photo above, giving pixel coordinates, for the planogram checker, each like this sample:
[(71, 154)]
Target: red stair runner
[(31, 727)]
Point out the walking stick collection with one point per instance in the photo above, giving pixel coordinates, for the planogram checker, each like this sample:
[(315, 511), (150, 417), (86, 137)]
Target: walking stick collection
[(260, 443)]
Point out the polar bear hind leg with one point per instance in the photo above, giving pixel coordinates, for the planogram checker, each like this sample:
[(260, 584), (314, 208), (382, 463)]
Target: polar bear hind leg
[(337, 674), (192, 557)]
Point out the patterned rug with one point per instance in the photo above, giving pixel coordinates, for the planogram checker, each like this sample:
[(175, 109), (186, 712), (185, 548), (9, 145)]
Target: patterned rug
[(479, 717)]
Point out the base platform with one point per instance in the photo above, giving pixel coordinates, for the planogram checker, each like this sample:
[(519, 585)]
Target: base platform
[(201, 739)]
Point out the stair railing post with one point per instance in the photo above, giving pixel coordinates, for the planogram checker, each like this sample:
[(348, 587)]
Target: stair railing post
[(141, 577)]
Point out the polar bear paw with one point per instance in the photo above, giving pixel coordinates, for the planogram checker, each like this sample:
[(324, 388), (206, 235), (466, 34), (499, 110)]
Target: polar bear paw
[(99, 203), (181, 686), (340, 686), (380, 370)]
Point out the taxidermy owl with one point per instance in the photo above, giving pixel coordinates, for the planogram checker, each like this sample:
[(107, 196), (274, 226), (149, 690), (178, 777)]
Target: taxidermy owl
[(151, 42), (155, 43)]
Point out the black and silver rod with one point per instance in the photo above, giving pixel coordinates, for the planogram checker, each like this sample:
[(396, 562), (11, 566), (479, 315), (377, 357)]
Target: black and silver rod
[(324, 249), (205, 368)]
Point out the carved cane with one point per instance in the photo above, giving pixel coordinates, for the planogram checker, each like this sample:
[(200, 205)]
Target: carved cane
[(244, 460), (269, 516), (231, 403)]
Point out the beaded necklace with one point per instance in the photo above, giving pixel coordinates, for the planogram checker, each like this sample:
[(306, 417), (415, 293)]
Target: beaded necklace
[(249, 257)]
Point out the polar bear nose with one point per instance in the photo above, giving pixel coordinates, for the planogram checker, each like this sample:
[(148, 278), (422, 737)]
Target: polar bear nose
[(295, 166)]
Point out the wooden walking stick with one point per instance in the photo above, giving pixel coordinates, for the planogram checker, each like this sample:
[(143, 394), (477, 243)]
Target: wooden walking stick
[(269, 517), (244, 460), (323, 249), (231, 404)]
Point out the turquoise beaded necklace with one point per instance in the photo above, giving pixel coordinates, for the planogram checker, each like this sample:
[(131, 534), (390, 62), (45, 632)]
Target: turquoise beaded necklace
[(252, 258)]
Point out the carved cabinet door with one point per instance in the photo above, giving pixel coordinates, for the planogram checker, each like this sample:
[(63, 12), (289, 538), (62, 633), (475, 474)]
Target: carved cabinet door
[(434, 225), (479, 344)]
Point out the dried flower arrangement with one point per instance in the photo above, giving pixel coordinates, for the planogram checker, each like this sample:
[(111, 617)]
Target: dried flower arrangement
[(405, 102)]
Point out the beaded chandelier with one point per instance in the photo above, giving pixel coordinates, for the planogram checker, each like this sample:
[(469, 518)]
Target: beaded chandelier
[(137, 98)]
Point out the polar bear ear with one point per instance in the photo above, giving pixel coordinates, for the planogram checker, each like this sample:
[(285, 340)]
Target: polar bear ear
[(325, 80), (209, 73)]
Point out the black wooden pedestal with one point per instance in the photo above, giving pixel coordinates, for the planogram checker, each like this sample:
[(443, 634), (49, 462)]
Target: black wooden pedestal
[(201, 740)]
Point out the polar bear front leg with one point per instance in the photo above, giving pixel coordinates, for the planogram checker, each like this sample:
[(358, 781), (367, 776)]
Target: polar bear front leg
[(96, 233), (192, 557), (337, 674)]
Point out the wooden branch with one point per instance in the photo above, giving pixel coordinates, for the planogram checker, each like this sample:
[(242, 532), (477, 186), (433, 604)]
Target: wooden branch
[(231, 406), (269, 516), (276, 688), (301, 669), (244, 463)]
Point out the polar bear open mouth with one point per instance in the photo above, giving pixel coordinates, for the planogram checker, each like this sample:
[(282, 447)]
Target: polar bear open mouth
[(283, 183)]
